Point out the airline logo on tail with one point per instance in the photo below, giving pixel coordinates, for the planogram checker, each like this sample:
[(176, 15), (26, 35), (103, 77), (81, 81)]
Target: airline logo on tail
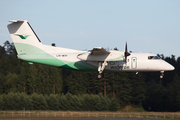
[(22, 36)]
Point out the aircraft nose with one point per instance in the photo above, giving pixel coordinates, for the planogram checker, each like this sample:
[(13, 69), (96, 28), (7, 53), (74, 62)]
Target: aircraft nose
[(171, 67), (168, 67)]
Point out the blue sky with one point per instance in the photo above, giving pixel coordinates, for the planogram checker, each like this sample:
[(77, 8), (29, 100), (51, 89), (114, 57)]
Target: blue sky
[(147, 25)]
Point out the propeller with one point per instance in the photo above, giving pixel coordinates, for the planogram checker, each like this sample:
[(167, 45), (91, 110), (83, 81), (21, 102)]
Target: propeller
[(126, 53)]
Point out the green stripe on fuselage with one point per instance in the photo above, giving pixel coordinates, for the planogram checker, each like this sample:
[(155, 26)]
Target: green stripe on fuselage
[(79, 65), (33, 54)]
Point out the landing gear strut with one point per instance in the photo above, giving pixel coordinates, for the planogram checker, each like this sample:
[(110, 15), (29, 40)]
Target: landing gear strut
[(101, 68), (162, 74)]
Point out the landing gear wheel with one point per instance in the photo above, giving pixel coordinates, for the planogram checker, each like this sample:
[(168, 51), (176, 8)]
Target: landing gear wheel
[(162, 74), (100, 75)]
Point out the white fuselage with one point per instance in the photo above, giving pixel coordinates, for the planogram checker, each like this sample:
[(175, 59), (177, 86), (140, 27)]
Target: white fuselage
[(137, 62)]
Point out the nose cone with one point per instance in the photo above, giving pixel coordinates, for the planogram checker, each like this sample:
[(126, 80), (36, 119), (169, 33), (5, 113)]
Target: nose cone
[(171, 67), (168, 67)]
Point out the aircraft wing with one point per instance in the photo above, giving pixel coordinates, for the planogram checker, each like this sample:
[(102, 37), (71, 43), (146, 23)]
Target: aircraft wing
[(96, 54), (101, 54), (99, 51)]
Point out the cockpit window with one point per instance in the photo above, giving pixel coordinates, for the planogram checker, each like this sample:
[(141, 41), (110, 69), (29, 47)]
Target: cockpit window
[(153, 57)]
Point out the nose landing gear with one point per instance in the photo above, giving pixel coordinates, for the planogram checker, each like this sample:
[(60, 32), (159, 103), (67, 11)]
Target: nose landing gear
[(162, 74)]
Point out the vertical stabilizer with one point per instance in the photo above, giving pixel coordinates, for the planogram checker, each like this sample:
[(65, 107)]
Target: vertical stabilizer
[(23, 36)]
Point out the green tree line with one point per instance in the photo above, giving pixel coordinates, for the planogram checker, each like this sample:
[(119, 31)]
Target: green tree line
[(144, 90), (85, 102)]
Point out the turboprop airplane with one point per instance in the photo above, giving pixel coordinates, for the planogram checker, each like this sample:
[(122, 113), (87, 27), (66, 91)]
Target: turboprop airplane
[(30, 48)]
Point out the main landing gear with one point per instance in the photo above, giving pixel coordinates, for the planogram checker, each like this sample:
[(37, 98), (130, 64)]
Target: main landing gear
[(102, 64), (101, 68), (162, 74)]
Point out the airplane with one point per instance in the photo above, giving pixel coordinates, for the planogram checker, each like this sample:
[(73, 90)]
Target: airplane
[(30, 48)]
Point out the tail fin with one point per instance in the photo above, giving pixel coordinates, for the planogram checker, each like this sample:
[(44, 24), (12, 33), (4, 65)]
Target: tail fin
[(23, 35)]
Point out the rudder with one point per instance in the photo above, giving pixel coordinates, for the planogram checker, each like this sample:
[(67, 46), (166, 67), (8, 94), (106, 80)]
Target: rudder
[(22, 34)]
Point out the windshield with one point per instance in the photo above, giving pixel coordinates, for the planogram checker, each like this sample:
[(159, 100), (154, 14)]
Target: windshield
[(153, 57)]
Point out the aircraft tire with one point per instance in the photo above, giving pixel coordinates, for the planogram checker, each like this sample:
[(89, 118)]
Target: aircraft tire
[(99, 76), (161, 76)]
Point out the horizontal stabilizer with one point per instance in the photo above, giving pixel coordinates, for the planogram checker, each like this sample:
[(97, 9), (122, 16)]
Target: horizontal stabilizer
[(16, 20)]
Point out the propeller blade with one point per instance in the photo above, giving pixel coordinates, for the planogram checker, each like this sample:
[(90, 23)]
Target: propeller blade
[(126, 53), (126, 47)]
